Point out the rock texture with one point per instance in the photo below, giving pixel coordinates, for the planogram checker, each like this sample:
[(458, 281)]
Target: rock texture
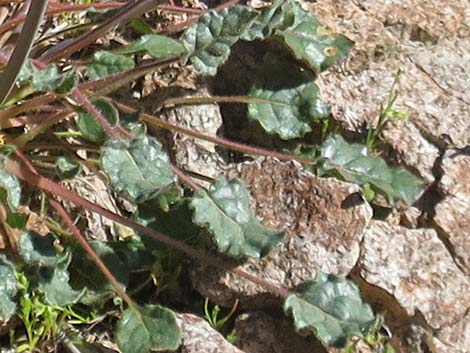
[(452, 214), (259, 332), (416, 268), (428, 41), (198, 336), (454, 338), (324, 221)]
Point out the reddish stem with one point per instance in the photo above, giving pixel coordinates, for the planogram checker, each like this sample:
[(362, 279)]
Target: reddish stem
[(81, 99), (81, 240), (57, 190), (54, 10)]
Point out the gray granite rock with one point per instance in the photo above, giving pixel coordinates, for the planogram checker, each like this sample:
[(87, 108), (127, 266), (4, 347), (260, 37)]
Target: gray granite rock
[(417, 269), (198, 336), (452, 214)]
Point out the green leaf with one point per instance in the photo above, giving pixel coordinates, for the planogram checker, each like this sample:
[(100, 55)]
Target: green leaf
[(104, 64), (309, 40), (176, 222), (68, 168), (137, 167), (54, 284), (209, 40), (331, 307), (39, 251), (8, 289), (90, 128), (157, 330), (156, 45), (141, 26), (288, 101), (266, 23), (49, 79), (11, 188), (225, 211), (85, 275), (353, 163)]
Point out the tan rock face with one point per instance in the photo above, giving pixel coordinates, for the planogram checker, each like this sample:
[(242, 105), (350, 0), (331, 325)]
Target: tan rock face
[(416, 268), (456, 337), (324, 220), (426, 39), (198, 336), (452, 214), (259, 332)]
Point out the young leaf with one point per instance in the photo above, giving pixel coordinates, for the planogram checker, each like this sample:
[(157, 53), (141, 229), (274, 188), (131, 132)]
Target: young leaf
[(156, 330), (226, 212), (331, 307), (54, 284), (309, 40), (8, 289), (84, 274), (104, 64), (156, 45), (288, 101), (137, 167), (90, 128), (39, 251), (266, 23), (11, 188), (67, 167), (49, 79), (209, 40), (354, 164)]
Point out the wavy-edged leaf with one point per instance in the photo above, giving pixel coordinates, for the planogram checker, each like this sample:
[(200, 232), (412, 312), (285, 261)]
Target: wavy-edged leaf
[(209, 40), (156, 330), (8, 289), (49, 79), (104, 63), (331, 307), (309, 40), (288, 101), (137, 167), (354, 163), (54, 284), (225, 211), (89, 126), (156, 45)]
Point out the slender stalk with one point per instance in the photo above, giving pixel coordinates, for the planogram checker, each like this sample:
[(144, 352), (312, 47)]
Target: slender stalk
[(22, 48), (81, 240), (126, 13), (81, 99), (95, 258), (30, 104), (111, 83), (23, 139), (217, 99), (217, 140), (9, 25), (53, 188), (186, 179)]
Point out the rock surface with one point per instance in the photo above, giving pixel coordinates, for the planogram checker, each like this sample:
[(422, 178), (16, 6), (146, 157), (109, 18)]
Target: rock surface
[(324, 221), (416, 268), (198, 336), (428, 41), (452, 214), (259, 332)]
